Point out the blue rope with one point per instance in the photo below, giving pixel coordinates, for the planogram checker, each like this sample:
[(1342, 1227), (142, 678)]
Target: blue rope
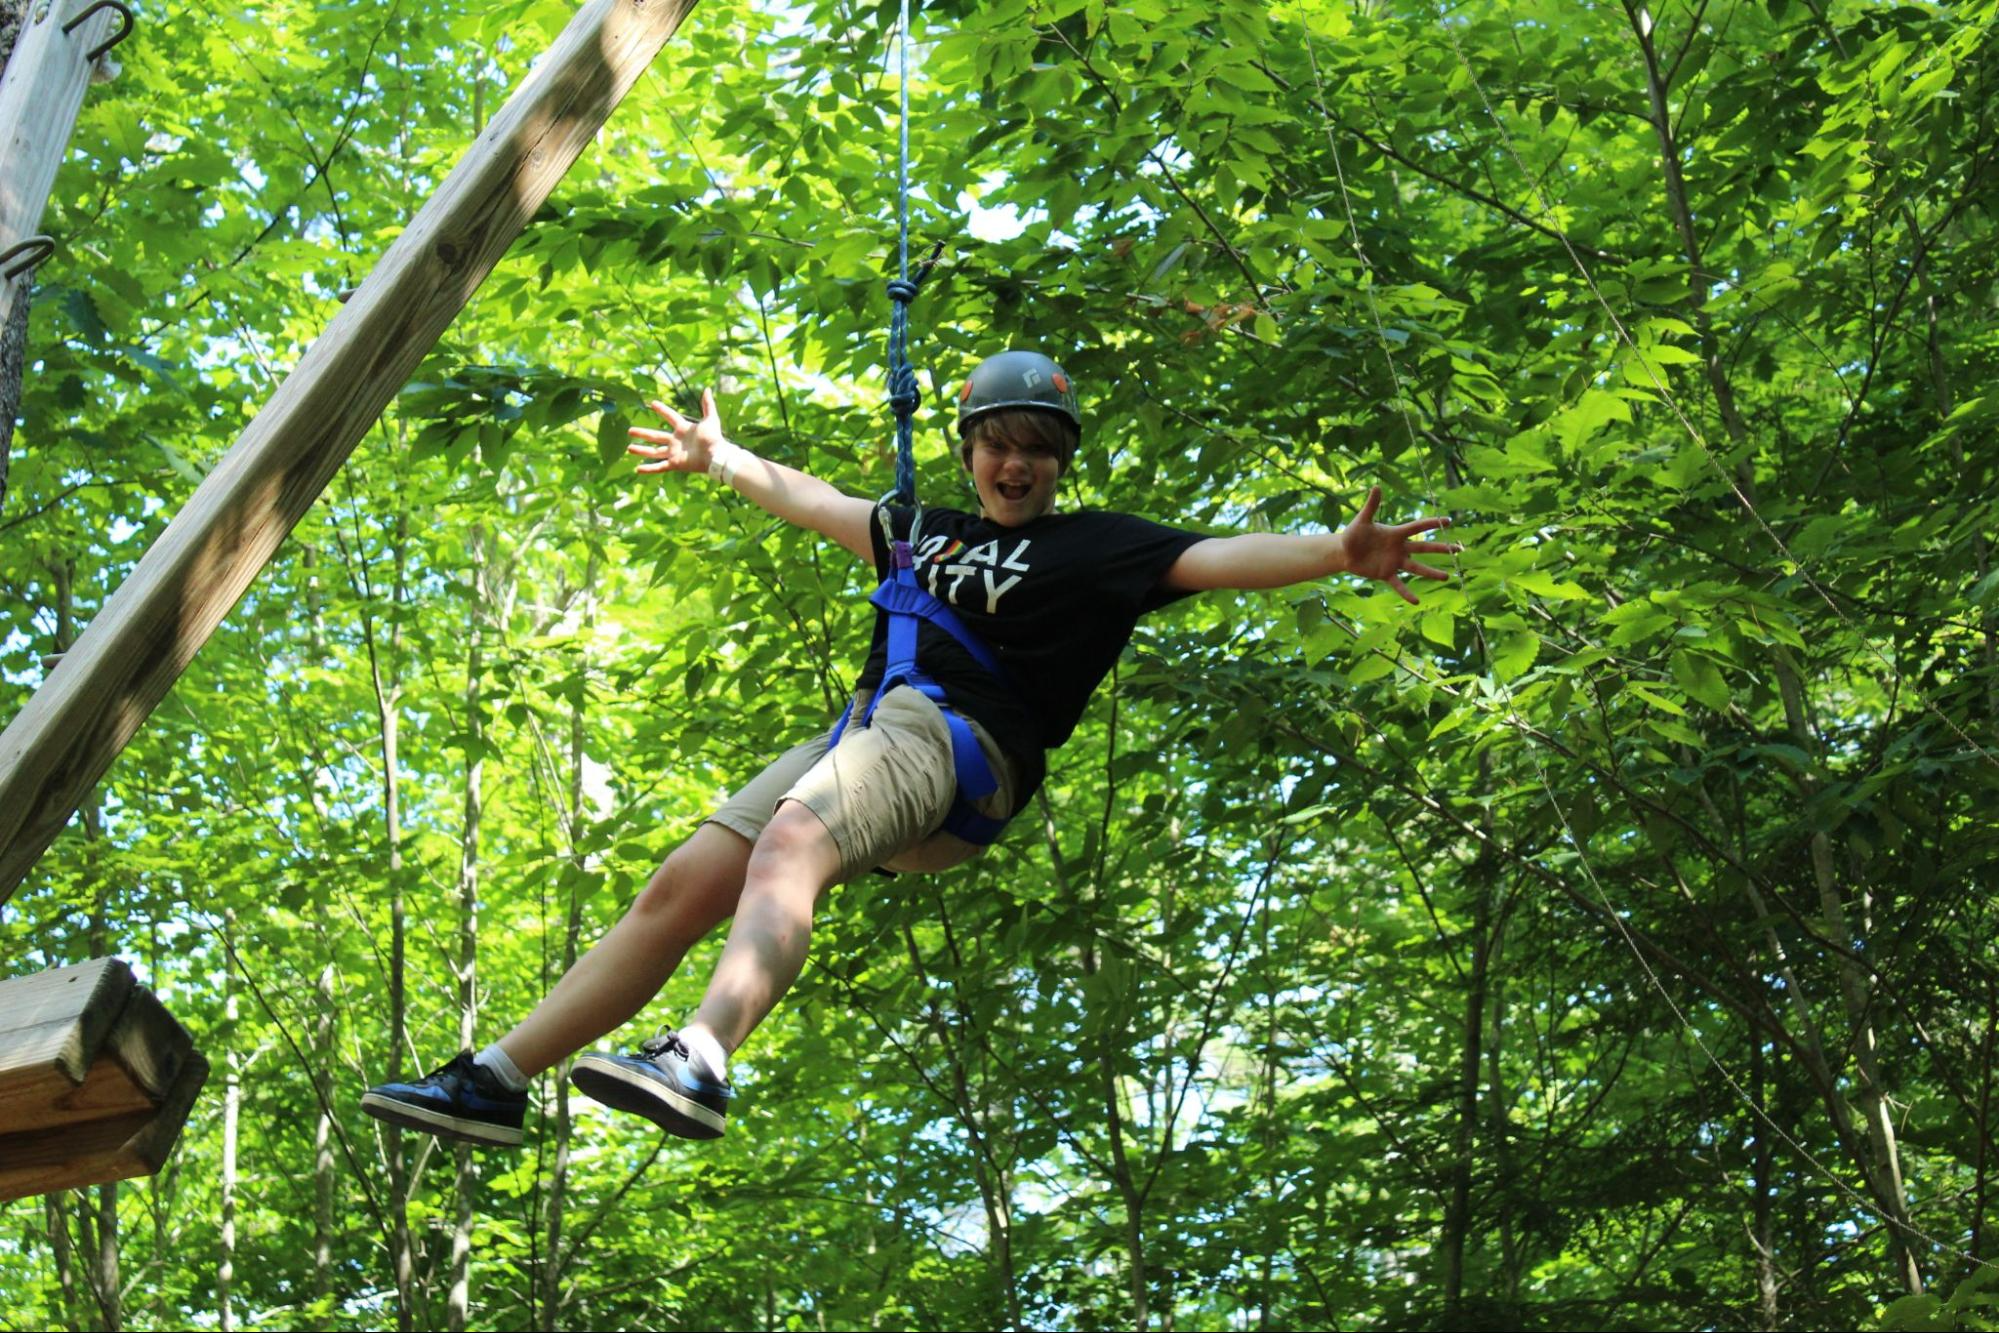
[(903, 393)]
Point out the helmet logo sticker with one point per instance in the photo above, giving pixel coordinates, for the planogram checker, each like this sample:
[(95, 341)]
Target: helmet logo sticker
[(1061, 382), (1031, 378), (965, 394)]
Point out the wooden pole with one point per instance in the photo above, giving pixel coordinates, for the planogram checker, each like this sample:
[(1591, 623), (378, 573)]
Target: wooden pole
[(46, 72), (39, 97), (104, 688)]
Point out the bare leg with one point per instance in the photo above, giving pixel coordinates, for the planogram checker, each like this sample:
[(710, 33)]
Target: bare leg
[(794, 861), (692, 893)]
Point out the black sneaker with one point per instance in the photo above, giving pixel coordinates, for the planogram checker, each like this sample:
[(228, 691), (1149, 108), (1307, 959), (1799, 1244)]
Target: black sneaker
[(660, 1083), (462, 1100)]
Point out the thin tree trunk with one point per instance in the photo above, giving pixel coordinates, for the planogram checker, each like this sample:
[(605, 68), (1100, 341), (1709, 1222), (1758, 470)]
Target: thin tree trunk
[(560, 1130), (322, 1146), (999, 1212), (104, 1279), (232, 1103), (1982, 1165), (1121, 1173), (468, 924), (1762, 1235), (1498, 1120), (385, 674), (104, 1266), (1457, 1204), (55, 1209), (401, 1259), (464, 1183), (58, 1203), (401, 1262), (1267, 1129), (325, 1024), (464, 1180), (563, 1126)]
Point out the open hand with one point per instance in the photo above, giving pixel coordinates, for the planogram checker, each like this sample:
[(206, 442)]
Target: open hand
[(1376, 551), (683, 448)]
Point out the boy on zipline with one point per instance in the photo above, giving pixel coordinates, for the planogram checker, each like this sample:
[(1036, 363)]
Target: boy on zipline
[(993, 629)]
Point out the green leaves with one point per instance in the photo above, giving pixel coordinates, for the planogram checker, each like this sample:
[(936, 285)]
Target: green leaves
[(1701, 679), (612, 437), (1327, 851), (1591, 413)]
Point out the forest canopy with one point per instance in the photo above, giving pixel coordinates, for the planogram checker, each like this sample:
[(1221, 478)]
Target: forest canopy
[(1606, 942)]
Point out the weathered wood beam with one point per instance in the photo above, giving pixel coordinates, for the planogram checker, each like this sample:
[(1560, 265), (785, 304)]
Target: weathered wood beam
[(96, 1078), (52, 1024), (40, 93), (117, 1147), (83, 1043), (61, 743)]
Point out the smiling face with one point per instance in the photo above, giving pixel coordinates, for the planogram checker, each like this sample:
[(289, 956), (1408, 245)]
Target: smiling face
[(1015, 459)]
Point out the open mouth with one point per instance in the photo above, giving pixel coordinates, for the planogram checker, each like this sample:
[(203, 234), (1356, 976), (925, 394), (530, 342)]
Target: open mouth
[(1014, 491)]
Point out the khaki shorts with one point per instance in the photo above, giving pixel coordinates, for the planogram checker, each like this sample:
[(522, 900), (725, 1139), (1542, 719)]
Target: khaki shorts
[(882, 792)]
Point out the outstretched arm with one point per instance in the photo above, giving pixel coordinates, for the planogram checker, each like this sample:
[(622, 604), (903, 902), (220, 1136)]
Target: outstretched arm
[(1271, 560), (784, 492)]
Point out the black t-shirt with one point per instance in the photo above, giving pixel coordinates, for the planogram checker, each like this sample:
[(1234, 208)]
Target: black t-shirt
[(1055, 599)]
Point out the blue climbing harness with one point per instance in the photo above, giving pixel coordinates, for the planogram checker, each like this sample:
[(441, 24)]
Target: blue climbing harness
[(900, 598), (907, 604)]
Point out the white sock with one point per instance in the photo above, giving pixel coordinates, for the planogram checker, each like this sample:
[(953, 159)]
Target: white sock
[(502, 1067), (708, 1054)]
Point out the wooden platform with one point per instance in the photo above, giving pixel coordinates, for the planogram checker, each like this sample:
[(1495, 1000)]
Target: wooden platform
[(96, 1079)]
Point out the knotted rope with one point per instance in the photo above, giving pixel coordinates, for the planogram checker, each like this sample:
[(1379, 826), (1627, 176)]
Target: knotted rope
[(904, 395)]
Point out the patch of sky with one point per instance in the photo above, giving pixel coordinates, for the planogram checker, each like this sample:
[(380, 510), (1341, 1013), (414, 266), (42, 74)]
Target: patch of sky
[(994, 224), (17, 641)]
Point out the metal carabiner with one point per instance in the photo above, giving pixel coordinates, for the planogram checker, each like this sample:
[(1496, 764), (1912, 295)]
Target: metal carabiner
[(888, 529)]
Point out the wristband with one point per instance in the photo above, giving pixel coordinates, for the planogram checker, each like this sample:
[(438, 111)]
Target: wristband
[(723, 460)]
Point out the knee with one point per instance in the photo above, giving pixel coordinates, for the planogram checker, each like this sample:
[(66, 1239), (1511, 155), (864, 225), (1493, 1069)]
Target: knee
[(794, 844), (668, 889), (687, 896), (790, 830)]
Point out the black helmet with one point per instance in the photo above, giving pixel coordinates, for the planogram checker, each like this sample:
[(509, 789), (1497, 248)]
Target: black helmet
[(1016, 379)]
